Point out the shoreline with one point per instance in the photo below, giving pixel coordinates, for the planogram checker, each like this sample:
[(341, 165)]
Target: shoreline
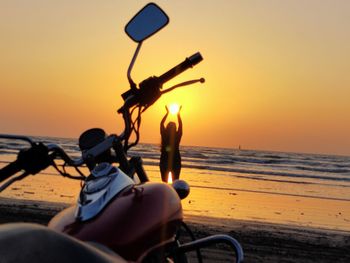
[(261, 242)]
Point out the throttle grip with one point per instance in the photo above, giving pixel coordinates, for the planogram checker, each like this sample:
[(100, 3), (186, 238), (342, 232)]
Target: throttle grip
[(186, 64)]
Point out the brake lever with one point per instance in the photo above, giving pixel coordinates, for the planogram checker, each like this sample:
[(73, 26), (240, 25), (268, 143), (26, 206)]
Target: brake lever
[(182, 84)]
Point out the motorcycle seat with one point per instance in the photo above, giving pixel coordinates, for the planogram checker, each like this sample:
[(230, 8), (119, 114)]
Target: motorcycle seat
[(23, 242)]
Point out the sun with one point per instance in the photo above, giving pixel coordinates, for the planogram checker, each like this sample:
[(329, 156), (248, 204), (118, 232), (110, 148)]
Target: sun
[(174, 108)]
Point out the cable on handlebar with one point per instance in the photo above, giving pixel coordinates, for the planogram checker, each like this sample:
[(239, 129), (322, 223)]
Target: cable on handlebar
[(65, 174), (134, 126)]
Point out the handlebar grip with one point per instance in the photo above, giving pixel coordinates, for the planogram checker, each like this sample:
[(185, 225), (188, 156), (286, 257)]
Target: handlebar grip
[(186, 64), (9, 170)]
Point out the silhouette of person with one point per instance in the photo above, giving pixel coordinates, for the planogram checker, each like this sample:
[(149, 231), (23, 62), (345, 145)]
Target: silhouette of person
[(170, 159)]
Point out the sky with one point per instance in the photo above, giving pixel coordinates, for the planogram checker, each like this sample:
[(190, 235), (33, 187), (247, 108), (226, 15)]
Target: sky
[(277, 72)]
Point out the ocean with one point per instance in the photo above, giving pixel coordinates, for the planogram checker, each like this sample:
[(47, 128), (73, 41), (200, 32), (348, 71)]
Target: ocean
[(277, 187)]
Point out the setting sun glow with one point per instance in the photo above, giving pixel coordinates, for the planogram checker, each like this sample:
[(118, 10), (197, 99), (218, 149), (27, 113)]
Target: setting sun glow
[(174, 108), (276, 71), (170, 178)]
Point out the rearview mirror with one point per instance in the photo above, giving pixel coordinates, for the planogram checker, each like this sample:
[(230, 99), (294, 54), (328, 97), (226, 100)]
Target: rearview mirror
[(146, 22)]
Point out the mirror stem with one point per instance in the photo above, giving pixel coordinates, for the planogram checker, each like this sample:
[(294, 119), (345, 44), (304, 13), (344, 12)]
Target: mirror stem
[(132, 83)]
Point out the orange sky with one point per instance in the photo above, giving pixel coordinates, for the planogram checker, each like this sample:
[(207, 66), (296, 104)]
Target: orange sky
[(277, 72)]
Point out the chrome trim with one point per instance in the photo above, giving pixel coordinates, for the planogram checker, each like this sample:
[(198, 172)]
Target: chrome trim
[(133, 62), (91, 203)]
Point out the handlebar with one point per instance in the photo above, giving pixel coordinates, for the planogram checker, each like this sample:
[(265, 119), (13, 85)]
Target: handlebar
[(65, 157), (9, 170), (149, 90), (40, 156), (31, 160), (186, 64)]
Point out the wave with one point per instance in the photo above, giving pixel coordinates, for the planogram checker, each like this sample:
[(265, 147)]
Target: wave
[(271, 164), (272, 193), (323, 169), (272, 174)]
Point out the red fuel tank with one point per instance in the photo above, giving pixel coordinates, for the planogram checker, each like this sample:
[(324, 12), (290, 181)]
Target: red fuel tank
[(133, 222)]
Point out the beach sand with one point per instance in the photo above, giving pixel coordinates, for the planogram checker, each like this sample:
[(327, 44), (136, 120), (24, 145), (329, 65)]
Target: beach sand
[(262, 242), (274, 221)]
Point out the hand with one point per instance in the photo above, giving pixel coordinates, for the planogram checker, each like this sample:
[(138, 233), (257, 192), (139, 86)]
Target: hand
[(167, 109), (178, 113)]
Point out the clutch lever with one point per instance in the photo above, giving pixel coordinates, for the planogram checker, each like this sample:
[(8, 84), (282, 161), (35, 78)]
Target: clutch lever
[(182, 84)]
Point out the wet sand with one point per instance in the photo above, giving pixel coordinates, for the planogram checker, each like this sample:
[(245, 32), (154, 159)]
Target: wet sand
[(262, 242), (225, 197)]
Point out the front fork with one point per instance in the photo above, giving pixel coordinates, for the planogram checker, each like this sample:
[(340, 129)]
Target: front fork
[(132, 166)]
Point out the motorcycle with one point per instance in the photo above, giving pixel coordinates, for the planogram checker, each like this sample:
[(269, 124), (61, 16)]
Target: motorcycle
[(120, 215)]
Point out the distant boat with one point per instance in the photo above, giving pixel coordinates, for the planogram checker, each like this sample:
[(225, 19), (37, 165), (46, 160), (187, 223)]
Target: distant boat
[(239, 147)]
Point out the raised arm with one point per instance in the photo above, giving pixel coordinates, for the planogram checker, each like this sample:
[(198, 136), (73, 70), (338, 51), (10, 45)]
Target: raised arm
[(179, 130), (162, 128)]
